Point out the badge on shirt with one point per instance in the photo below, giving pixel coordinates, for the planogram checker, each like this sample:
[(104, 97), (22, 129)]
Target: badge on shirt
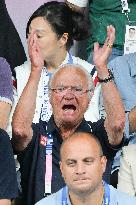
[(43, 140), (125, 7), (130, 39)]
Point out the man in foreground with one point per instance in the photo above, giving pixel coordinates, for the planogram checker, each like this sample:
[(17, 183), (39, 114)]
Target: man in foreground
[(82, 166)]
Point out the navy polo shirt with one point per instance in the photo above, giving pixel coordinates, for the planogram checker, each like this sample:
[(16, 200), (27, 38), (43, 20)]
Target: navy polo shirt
[(32, 159), (8, 180)]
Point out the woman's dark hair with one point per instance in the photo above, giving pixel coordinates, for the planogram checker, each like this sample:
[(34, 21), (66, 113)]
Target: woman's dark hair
[(62, 20)]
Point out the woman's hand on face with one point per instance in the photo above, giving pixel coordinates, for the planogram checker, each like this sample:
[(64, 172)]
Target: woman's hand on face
[(101, 54), (35, 55)]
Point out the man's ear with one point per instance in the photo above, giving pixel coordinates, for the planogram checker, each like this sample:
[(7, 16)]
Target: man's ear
[(63, 40), (103, 163), (61, 168), (60, 164)]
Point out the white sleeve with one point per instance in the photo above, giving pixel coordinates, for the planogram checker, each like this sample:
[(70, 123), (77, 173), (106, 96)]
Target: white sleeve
[(126, 179), (80, 3)]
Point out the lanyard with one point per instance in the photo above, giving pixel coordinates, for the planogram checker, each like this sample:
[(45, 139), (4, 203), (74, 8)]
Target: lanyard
[(106, 198), (124, 4), (48, 173), (106, 194), (48, 149), (64, 195), (70, 59), (125, 9)]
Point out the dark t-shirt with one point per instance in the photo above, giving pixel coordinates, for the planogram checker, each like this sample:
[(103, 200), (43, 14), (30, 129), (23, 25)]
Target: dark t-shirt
[(8, 181), (32, 159)]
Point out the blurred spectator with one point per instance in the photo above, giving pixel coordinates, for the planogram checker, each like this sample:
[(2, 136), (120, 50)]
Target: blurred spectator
[(6, 92), (8, 181), (124, 71), (127, 176), (118, 13), (127, 171)]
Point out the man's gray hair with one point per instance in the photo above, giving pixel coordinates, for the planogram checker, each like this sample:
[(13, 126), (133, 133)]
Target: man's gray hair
[(73, 66)]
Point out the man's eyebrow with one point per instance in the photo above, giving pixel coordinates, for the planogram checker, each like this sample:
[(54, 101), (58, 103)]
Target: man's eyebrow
[(92, 157), (71, 160), (89, 158)]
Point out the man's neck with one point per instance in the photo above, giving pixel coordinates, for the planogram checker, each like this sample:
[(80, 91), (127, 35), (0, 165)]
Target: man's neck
[(66, 133), (94, 198), (67, 130)]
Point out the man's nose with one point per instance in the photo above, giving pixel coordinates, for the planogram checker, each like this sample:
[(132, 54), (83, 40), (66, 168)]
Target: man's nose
[(80, 168), (69, 94)]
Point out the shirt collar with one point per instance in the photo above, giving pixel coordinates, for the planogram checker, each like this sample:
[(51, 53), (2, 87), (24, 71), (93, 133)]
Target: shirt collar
[(51, 125), (83, 126), (68, 198)]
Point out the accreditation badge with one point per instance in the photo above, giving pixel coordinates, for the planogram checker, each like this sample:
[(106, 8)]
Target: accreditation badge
[(125, 8), (130, 39)]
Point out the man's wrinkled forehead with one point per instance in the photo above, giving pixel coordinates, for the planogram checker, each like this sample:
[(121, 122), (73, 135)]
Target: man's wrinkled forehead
[(68, 72)]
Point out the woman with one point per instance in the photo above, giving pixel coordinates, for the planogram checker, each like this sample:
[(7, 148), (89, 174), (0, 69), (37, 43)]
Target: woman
[(50, 31), (127, 171)]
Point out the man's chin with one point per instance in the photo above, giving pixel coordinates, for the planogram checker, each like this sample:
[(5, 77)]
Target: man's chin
[(69, 117), (69, 122), (81, 190)]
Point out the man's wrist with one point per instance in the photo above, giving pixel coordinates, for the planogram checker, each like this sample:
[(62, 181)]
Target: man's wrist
[(109, 78)]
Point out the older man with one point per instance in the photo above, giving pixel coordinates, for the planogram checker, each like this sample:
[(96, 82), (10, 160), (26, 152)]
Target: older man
[(70, 93), (82, 168)]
